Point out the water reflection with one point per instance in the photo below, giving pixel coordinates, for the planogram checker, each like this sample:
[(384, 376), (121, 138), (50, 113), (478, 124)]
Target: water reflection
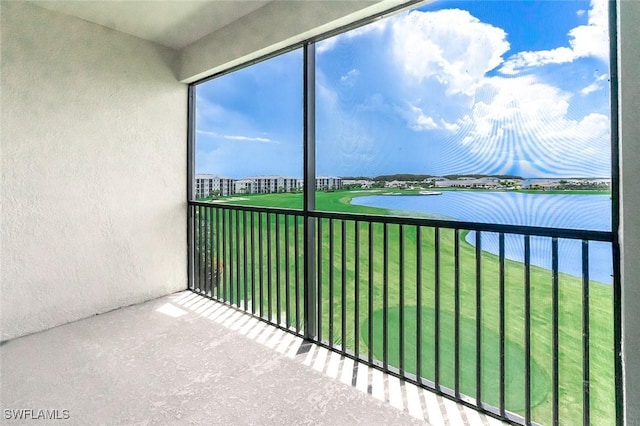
[(579, 211)]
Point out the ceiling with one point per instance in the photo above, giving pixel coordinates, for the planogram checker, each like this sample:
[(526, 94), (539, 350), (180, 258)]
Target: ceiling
[(171, 23)]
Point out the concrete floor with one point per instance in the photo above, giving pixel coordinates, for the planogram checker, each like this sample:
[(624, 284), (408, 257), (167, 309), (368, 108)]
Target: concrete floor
[(183, 359)]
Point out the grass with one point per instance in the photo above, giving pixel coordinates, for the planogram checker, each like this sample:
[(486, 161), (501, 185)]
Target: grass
[(332, 267)]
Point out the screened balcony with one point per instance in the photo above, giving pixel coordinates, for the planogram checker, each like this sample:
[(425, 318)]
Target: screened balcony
[(124, 299)]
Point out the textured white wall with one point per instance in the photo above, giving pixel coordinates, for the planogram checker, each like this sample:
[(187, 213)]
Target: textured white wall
[(93, 170), (629, 62)]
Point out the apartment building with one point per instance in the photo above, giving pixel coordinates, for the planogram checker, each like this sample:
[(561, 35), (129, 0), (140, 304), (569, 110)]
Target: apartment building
[(270, 184), (207, 185), (244, 186), (328, 182)]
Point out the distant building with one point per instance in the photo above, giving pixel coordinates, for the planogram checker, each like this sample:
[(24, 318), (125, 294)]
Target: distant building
[(271, 184), (395, 184), (328, 182), (362, 183), (244, 186), (468, 182), (209, 185)]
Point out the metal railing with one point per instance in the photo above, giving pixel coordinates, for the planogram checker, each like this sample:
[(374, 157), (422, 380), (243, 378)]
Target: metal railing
[(445, 305)]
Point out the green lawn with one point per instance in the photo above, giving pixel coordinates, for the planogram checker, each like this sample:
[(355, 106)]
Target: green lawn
[(570, 360)]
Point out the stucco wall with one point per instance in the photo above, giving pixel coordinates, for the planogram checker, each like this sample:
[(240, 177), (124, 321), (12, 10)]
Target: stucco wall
[(629, 62), (93, 170)]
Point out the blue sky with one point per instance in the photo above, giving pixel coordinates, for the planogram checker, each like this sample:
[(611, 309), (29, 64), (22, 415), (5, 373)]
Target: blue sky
[(488, 87)]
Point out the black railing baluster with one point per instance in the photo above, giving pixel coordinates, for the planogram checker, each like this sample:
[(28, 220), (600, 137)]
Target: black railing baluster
[(478, 319), (419, 304), (196, 251), (260, 265), (269, 270), (401, 300), (244, 261), (554, 334), (385, 297), (210, 249), (253, 264), (287, 293), (436, 304), (585, 334), (356, 289), (203, 250), (370, 296), (198, 245), (501, 325), (319, 268), (238, 256), (456, 313), (331, 255), (231, 264), (296, 254), (344, 286), (218, 269), (224, 256), (207, 253), (203, 245), (527, 329), (191, 246), (278, 281), (231, 247), (206, 232)]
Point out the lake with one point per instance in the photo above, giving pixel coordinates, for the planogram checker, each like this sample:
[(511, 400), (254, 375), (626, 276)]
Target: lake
[(575, 211)]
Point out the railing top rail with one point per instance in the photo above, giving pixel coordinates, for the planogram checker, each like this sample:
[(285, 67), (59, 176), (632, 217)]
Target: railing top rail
[(578, 234), (277, 210)]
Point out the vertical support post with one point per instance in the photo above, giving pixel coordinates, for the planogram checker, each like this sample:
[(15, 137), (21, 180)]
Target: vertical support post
[(309, 188), (555, 320), (191, 121), (478, 318), (586, 386), (615, 195), (501, 301), (527, 329), (456, 313), (436, 307)]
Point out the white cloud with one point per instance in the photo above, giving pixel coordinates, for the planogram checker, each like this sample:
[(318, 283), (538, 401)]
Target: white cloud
[(326, 45), (595, 86), (350, 77), (492, 124), (442, 54), (451, 127), (528, 119), (450, 46), (237, 138), (591, 40), (502, 122), (421, 121)]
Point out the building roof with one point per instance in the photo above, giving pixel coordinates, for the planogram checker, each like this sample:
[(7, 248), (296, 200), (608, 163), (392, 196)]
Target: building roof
[(210, 176)]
